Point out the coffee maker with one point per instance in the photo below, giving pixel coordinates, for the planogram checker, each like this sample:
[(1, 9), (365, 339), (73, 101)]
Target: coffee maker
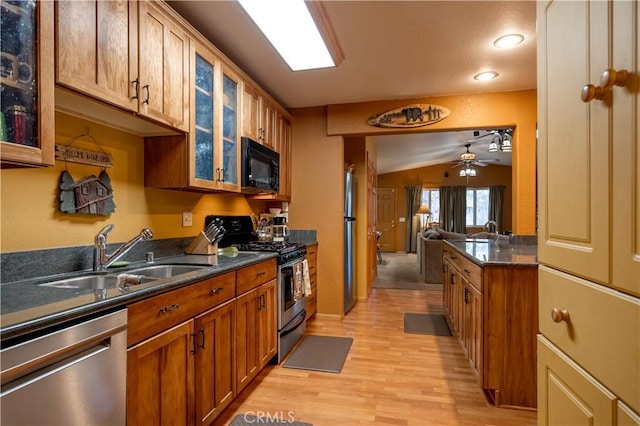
[(279, 230)]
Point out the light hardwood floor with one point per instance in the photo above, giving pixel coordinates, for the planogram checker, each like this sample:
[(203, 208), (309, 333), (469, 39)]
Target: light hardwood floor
[(389, 377)]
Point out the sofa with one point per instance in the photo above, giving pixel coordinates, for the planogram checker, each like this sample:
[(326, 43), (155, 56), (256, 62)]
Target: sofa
[(429, 250)]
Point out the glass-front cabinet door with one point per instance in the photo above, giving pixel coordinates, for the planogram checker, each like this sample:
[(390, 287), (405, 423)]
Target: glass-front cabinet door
[(215, 124), (26, 83), (230, 131)]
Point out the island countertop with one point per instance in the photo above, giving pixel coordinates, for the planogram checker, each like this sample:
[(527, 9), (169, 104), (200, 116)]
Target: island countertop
[(490, 252)]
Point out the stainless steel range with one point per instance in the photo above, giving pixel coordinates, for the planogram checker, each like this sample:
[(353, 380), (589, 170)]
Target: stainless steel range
[(290, 285)]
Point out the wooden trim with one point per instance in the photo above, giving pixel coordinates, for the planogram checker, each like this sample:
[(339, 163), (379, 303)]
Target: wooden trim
[(321, 18)]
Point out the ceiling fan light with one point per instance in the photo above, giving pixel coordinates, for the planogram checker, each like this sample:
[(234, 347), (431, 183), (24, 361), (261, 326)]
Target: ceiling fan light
[(463, 172), (506, 145), (471, 172), (493, 147)]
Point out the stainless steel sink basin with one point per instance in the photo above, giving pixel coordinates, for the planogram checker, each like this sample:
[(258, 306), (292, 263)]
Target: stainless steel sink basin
[(165, 271), (91, 282)]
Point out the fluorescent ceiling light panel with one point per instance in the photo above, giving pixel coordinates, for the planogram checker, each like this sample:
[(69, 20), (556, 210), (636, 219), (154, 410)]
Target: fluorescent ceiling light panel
[(289, 27)]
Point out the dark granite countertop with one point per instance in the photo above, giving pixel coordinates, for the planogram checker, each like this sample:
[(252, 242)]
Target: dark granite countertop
[(490, 252), (27, 307)]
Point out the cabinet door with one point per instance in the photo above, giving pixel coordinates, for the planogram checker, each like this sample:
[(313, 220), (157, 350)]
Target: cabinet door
[(568, 395), (163, 67), (283, 146), (474, 328), (204, 122), (229, 153), (247, 360), (267, 343), (573, 50), (250, 112), (215, 378), (27, 83), (160, 378), (106, 34), (625, 204), (268, 123)]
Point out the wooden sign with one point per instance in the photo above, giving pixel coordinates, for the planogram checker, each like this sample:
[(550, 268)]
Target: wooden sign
[(409, 116), (83, 156)]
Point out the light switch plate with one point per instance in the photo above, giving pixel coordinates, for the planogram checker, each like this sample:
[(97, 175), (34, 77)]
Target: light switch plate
[(401, 219), (187, 219)]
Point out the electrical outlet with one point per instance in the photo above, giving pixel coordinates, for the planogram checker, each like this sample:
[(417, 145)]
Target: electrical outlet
[(187, 219)]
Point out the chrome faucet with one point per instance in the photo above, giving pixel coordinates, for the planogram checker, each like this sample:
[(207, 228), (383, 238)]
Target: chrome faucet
[(102, 260), (488, 226)]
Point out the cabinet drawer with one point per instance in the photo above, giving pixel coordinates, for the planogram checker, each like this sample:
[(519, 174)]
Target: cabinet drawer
[(601, 333), (469, 270), (151, 316), (254, 275)]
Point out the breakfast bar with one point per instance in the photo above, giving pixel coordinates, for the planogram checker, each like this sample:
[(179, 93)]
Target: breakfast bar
[(491, 299)]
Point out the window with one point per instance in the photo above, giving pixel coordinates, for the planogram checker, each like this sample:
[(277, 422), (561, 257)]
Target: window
[(477, 206), (431, 198)]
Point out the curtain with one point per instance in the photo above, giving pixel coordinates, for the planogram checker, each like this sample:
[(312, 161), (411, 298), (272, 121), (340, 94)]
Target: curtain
[(496, 200), (453, 208), (414, 196)]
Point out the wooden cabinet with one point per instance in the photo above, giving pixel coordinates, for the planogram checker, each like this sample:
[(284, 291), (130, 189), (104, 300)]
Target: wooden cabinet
[(567, 394), (311, 302), (215, 381), (160, 374), (135, 56), (590, 224), (493, 310), (208, 158), (107, 35), (256, 330), (183, 370), (27, 87), (283, 147), (259, 121)]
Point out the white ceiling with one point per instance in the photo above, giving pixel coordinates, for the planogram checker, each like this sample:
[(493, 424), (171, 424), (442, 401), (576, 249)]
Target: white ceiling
[(393, 50)]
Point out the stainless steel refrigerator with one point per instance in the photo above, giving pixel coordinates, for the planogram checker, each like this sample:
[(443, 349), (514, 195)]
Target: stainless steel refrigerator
[(349, 240)]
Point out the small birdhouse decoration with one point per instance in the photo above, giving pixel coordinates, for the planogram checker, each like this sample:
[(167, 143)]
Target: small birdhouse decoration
[(91, 194)]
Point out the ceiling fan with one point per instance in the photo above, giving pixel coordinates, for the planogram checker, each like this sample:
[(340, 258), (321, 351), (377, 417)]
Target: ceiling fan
[(468, 158), (491, 133)]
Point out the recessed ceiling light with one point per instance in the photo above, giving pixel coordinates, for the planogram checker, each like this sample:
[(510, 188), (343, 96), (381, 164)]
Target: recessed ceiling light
[(289, 27), (508, 40), (485, 76)]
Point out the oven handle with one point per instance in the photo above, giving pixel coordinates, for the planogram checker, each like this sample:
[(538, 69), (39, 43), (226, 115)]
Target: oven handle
[(293, 328), (293, 262)]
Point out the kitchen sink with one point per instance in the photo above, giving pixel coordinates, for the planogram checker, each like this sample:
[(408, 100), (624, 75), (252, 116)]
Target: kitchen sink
[(91, 282), (165, 271)]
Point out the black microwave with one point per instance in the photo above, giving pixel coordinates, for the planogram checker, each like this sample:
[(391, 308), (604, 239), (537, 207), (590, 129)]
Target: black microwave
[(260, 168)]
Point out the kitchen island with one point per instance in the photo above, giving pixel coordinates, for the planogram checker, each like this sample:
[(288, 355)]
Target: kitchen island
[(490, 294)]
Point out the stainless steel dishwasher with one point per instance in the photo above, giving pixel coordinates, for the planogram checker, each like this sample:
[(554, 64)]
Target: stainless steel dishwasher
[(72, 376)]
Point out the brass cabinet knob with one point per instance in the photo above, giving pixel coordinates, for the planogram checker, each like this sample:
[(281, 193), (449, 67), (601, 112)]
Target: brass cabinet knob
[(611, 77), (591, 92), (559, 315)]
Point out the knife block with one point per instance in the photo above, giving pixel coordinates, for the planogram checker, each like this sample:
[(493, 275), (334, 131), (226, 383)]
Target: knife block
[(202, 245)]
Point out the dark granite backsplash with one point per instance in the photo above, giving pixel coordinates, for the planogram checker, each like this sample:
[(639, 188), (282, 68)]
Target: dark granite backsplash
[(303, 236), (22, 265), (523, 240)]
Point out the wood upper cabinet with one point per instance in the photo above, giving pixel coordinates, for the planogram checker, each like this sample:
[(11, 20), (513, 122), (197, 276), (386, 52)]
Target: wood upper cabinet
[(208, 157), (215, 378), (135, 55), (590, 225), (160, 383), (106, 32), (260, 117), (163, 86), (27, 89), (283, 147)]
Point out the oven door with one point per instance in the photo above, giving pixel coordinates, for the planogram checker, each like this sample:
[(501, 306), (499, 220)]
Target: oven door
[(290, 291)]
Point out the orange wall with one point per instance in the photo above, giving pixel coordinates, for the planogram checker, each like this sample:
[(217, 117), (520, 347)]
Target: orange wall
[(433, 177), (469, 112), (30, 218), (317, 200)]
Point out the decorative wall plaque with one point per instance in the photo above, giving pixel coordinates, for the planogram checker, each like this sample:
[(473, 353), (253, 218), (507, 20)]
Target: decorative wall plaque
[(91, 194), (409, 116)]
